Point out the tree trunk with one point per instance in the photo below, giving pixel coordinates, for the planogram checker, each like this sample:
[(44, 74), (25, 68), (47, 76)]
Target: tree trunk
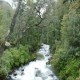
[(14, 19)]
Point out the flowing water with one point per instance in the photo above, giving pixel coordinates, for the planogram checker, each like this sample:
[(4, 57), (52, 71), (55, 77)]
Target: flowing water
[(36, 70)]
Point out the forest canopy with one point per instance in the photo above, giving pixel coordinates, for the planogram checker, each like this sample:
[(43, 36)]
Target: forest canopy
[(33, 22)]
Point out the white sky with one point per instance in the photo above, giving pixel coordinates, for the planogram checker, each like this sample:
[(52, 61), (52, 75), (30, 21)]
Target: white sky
[(9, 1)]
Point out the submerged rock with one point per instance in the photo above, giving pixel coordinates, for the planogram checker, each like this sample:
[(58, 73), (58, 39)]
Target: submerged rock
[(15, 74)]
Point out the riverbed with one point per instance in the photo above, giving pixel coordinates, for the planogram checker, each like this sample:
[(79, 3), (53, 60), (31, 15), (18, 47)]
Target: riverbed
[(38, 69)]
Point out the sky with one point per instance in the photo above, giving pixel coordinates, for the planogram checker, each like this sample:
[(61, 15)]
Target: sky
[(9, 1)]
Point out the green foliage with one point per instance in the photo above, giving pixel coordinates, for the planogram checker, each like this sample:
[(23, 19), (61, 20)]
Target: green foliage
[(14, 57), (59, 26), (5, 19), (66, 58)]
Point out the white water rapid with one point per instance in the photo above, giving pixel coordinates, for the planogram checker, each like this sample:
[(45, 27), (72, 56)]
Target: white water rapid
[(36, 70)]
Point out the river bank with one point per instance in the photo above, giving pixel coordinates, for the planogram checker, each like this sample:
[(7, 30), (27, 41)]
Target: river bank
[(36, 70), (13, 58)]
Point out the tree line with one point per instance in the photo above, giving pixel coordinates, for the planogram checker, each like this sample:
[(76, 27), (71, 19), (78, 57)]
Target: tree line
[(56, 23)]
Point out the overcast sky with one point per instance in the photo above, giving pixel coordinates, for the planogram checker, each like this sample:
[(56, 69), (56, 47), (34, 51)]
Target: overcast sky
[(9, 1)]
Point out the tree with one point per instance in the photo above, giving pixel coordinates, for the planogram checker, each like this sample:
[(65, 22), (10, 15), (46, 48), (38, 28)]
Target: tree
[(14, 18)]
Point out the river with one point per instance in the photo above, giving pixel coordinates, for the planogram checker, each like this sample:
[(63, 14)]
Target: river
[(38, 69)]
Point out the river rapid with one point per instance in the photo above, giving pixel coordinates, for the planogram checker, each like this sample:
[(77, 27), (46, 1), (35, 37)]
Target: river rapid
[(38, 69)]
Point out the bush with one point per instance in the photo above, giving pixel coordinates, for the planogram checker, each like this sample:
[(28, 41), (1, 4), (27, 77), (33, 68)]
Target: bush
[(14, 57)]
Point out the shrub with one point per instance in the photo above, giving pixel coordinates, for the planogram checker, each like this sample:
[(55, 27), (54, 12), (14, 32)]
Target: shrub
[(14, 57)]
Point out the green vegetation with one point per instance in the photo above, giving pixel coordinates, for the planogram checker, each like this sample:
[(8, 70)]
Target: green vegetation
[(54, 23), (66, 58), (5, 19), (13, 58), (20, 51)]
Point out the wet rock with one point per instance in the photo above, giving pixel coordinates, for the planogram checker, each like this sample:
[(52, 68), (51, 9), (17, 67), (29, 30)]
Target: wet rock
[(22, 73), (22, 70), (51, 75), (47, 55), (38, 73), (15, 74), (9, 78), (36, 68)]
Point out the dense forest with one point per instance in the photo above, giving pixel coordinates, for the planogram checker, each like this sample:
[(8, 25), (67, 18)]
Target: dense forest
[(32, 22)]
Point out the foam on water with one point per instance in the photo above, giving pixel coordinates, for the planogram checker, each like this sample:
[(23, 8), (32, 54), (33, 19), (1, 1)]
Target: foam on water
[(36, 70)]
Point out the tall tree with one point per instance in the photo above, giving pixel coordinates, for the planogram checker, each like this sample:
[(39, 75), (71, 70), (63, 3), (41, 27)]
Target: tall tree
[(14, 19)]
